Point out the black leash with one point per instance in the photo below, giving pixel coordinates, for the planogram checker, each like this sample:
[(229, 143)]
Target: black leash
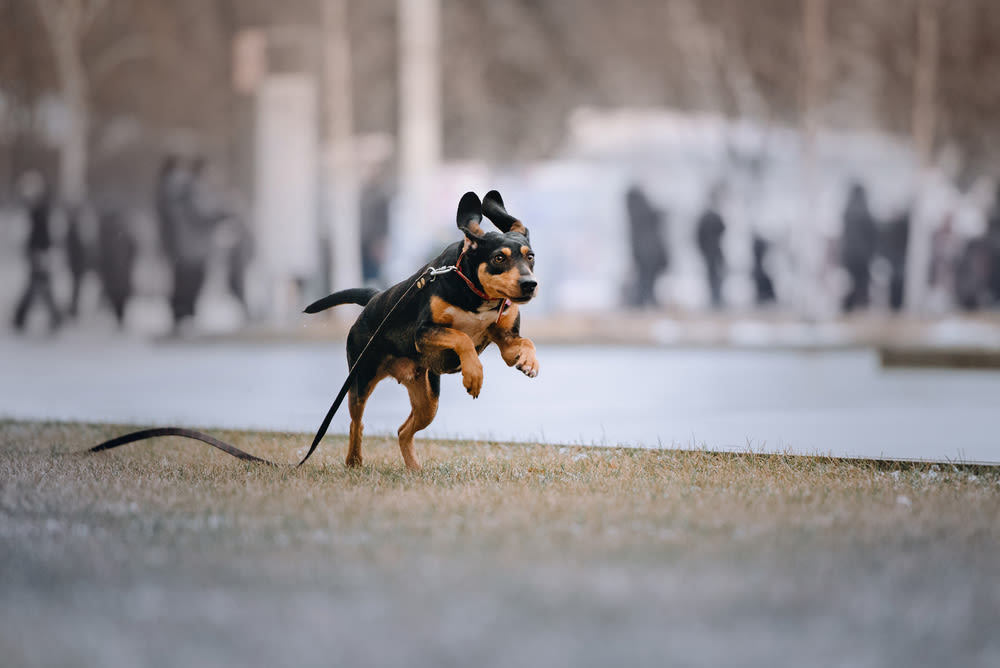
[(425, 277)]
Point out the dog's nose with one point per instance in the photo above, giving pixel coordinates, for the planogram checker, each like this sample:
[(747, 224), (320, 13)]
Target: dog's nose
[(528, 286)]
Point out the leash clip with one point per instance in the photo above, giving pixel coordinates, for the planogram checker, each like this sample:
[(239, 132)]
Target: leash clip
[(437, 271)]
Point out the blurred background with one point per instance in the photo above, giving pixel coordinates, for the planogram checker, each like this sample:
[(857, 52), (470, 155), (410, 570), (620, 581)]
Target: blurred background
[(208, 165)]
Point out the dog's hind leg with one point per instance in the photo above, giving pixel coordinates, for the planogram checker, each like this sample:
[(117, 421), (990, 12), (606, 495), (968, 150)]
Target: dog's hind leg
[(357, 396), (424, 388)]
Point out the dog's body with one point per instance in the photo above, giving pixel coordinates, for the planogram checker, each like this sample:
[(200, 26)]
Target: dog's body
[(447, 324)]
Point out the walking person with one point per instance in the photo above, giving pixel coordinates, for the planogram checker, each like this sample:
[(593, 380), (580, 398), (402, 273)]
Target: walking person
[(710, 230), (38, 203), (192, 238), (993, 249), (167, 198), (858, 243), (763, 285), (375, 200), (895, 238), (648, 247), (238, 256), (116, 259), (79, 253)]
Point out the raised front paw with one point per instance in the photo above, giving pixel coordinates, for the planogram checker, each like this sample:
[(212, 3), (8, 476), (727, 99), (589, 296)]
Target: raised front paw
[(527, 363), (472, 378)]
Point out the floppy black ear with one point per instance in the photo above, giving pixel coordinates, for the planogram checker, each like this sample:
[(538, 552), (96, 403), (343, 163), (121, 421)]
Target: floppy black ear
[(494, 210), (470, 213)]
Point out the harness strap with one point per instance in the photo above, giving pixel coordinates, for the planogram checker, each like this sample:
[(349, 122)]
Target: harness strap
[(468, 281), (479, 293)]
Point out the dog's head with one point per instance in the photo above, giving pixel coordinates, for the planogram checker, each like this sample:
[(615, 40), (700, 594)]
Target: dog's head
[(502, 262)]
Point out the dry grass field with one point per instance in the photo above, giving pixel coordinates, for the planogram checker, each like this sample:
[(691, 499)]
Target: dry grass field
[(170, 553)]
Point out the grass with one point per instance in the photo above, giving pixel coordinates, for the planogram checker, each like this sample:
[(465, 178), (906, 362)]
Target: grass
[(581, 554)]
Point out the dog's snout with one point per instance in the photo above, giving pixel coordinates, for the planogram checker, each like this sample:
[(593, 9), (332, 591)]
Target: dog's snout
[(528, 286)]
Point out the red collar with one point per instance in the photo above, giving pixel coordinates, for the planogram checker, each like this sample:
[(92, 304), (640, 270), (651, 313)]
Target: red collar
[(472, 286)]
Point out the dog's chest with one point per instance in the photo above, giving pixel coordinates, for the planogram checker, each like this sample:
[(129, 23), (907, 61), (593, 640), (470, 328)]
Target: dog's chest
[(472, 323)]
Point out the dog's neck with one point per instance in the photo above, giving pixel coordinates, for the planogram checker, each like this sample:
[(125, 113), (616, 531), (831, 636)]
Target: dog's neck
[(468, 281)]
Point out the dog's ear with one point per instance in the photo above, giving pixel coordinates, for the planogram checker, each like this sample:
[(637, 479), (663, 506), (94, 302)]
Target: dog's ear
[(494, 210), (470, 213)]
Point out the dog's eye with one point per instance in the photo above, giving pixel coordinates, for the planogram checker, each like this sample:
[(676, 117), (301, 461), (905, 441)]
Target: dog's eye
[(499, 258), (531, 258)]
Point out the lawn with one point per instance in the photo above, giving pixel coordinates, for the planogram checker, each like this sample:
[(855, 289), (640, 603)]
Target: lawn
[(171, 553)]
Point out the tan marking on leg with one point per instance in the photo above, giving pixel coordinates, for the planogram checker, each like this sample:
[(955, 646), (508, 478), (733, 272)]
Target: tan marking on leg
[(423, 408), (520, 352), (356, 406), (446, 338)]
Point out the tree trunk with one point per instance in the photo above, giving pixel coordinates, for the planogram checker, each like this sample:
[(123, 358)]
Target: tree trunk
[(419, 116), (73, 155), (918, 251), (66, 21), (809, 247), (345, 225)]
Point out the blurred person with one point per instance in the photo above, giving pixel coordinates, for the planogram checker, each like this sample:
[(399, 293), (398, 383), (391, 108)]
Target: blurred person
[(79, 253), (649, 250), (944, 260), (764, 286), (38, 205), (972, 275), (116, 259), (238, 255), (895, 238), (710, 230), (858, 245), (375, 200), (169, 187), (192, 237), (993, 246)]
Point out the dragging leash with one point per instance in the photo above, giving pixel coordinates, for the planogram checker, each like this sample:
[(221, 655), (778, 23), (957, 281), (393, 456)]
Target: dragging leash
[(426, 277)]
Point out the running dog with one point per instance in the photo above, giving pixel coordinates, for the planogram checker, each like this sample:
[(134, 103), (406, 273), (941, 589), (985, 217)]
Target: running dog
[(454, 315)]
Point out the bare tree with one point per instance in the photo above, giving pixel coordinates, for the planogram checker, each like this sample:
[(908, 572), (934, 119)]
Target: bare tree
[(924, 121), (815, 71), (66, 24), (344, 227)]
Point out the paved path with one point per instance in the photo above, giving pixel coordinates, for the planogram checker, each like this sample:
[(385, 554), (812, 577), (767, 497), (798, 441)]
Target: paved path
[(839, 403)]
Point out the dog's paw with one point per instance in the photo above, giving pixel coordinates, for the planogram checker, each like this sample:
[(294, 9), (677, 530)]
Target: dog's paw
[(527, 363), (472, 378)]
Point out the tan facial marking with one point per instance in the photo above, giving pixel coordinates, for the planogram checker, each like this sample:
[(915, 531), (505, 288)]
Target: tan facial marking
[(498, 286)]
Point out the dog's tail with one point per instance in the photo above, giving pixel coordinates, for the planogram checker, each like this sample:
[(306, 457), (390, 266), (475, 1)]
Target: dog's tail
[(359, 296)]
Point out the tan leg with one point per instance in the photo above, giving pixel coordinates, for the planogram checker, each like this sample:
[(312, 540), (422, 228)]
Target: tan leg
[(516, 350), (356, 405), (446, 338), (423, 408), (356, 400)]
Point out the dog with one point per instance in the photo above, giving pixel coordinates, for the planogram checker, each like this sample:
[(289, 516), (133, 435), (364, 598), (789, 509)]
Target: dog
[(449, 321)]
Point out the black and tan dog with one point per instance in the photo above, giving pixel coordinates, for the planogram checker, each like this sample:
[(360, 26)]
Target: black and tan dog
[(448, 322)]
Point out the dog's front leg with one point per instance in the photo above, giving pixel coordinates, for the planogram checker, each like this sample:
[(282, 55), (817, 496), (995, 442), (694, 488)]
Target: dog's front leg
[(516, 351), (436, 339)]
